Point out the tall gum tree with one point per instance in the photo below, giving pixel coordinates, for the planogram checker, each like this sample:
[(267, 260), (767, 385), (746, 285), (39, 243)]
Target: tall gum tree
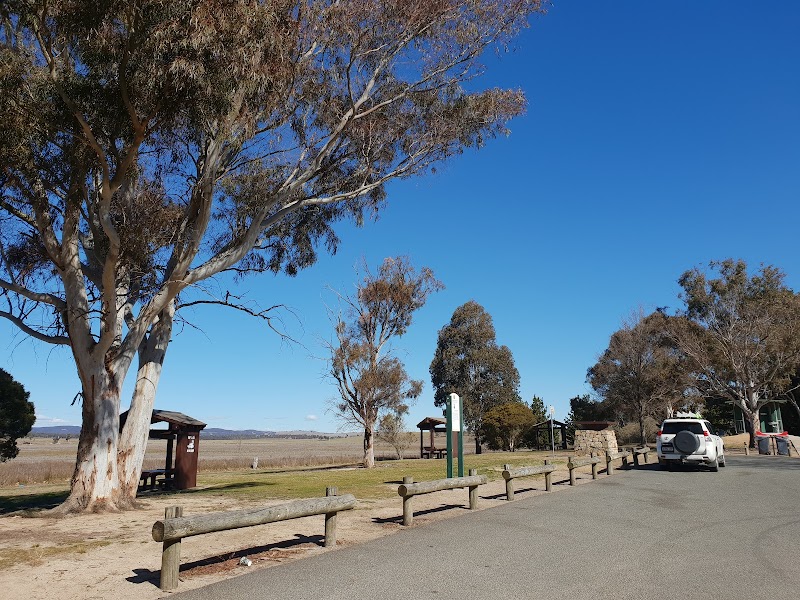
[(641, 372), (740, 334), (148, 146), (468, 362), (371, 381)]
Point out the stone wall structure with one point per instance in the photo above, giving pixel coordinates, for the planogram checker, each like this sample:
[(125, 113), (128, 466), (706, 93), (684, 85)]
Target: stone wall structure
[(588, 441)]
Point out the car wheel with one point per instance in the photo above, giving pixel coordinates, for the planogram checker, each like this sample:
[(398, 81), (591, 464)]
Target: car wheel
[(722, 461), (686, 442), (714, 465)]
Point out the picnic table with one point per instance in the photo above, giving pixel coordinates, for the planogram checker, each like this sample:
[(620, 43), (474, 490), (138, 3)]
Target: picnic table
[(165, 481), (428, 452)]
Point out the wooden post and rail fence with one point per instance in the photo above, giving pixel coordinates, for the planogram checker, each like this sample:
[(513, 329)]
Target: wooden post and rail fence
[(612, 456), (175, 526), (574, 463), (510, 474), (408, 489)]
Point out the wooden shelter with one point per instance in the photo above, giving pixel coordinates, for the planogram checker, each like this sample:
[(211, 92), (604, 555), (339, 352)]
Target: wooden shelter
[(433, 425), (545, 425), (183, 442)]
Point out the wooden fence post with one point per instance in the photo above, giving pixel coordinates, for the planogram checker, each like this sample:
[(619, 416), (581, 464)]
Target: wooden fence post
[(571, 468), (609, 464), (473, 492), (330, 521), (509, 485), (594, 467), (747, 449), (171, 554), (548, 478), (408, 512)]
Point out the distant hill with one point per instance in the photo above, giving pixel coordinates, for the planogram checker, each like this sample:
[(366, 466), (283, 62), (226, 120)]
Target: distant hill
[(229, 434), (63, 430), (213, 433)]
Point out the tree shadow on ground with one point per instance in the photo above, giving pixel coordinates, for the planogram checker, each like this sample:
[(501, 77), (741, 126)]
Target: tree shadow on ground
[(31, 503), (227, 487), (217, 561), (419, 513), (241, 485)]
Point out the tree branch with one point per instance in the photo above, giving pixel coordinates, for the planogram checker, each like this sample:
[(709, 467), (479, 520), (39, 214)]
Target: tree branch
[(50, 339), (55, 301)]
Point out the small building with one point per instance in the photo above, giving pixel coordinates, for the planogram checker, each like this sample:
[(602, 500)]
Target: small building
[(432, 425), (183, 445), (769, 417), (555, 434)]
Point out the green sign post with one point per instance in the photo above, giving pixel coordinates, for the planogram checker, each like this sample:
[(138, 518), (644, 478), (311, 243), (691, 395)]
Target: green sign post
[(455, 434)]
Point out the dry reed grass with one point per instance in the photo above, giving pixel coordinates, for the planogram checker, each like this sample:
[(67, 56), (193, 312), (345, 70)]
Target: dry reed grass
[(42, 461)]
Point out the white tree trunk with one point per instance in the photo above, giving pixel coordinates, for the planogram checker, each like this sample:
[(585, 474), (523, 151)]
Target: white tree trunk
[(751, 406), (134, 436), (369, 448), (95, 481)]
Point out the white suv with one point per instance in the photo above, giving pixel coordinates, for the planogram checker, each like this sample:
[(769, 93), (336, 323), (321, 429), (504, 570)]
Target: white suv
[(689, 441)]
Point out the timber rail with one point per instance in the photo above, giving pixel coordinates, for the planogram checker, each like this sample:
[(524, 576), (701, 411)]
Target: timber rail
[(509, 474), (574, 463), (612, 456), (408, 489), (175, 526), (643, 451)]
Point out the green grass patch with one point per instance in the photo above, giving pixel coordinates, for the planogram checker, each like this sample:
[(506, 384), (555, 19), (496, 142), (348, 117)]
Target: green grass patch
[(364, 484)]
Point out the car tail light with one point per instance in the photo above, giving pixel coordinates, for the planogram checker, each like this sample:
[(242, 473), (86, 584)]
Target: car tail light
[(706, 434), (658, 433)]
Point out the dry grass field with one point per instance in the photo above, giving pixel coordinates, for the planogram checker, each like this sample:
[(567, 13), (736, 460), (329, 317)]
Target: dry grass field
[(42, 461)]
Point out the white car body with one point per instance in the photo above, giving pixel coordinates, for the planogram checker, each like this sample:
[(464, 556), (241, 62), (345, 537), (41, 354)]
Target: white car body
[(689, 441)]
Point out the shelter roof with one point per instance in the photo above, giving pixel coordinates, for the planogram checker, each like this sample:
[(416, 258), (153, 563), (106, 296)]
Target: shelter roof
[(547, 424), (431, 422), (180, 420)]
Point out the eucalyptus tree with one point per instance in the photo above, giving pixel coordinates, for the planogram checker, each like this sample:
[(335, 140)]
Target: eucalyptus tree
[(148, 146), (740, 334), (468, 362), (641, 372), (392, 430), (371, 380)]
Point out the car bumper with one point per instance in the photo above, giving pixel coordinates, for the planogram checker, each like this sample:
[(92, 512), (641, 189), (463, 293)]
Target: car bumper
[(694, 458)]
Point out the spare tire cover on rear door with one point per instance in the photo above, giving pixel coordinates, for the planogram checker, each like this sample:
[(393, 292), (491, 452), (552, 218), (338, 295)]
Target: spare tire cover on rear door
[(686, 442)]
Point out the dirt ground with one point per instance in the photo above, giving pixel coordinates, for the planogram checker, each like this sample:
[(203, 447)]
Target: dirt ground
[(114, 555)]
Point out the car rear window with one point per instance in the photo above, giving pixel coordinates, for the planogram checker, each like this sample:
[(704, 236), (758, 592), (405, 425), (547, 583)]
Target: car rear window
[(676, 426)]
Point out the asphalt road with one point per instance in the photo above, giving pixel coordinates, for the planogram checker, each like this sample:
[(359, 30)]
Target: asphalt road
[(640, 534)]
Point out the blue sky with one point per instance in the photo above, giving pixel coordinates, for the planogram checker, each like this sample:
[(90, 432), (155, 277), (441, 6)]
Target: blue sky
[(658, 137)]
